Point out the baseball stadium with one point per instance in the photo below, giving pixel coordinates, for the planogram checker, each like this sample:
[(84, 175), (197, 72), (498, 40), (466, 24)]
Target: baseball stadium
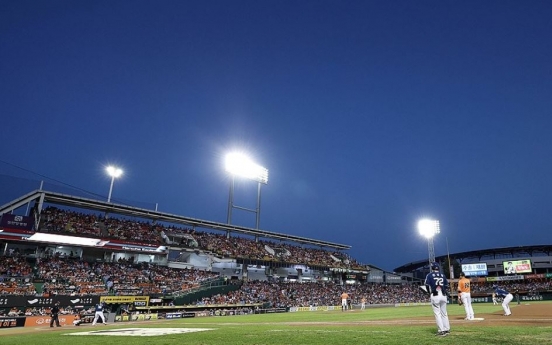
[(171, 278)]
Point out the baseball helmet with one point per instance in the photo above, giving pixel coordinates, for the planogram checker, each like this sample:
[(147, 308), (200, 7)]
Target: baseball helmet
[(495, 286), (462, 274), (434, 266)]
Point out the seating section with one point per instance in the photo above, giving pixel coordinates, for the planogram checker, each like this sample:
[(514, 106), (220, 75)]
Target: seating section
[(56, 220), (75, 277), (295, 294)]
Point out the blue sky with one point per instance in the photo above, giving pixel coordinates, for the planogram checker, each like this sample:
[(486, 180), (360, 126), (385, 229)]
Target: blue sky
[(369, 115)]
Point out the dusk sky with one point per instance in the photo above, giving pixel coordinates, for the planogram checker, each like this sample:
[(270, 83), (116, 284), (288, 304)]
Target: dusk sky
[(368, 114)]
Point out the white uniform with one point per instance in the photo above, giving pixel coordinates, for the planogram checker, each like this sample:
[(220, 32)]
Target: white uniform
[(99, 314), (437, 284), (466, 301), (508, 297), (344, 297)]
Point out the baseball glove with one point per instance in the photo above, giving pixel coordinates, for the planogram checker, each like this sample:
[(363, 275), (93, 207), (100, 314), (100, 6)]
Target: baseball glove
[(460, 301)]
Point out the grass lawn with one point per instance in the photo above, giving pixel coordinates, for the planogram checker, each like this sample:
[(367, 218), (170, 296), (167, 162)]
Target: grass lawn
[(400, 325)]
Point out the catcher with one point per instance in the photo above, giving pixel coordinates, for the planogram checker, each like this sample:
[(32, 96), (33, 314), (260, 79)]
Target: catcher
[(464, 296)]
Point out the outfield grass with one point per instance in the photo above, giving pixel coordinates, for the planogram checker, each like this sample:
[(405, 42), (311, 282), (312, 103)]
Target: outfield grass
[(414, 325)]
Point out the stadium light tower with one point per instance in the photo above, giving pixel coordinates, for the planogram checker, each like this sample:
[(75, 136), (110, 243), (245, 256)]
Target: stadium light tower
[(239, 164), (114, 172), (429, 228)]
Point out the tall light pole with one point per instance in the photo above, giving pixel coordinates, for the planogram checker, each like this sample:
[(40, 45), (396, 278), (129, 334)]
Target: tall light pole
[(429, 228), (114, 172), (238, 164)]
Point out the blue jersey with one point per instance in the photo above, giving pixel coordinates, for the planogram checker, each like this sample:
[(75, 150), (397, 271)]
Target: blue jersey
[(99, 307), (501, 292), (436, 281)]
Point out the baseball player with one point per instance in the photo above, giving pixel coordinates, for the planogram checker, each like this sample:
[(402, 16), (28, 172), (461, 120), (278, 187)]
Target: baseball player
[(495, 301), (78, 320), (363, 303), (99, 314), (344, 297), (437, 285), (464, 293), (506, 301)]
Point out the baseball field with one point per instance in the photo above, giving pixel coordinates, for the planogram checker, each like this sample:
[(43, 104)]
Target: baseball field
[(530, 323)]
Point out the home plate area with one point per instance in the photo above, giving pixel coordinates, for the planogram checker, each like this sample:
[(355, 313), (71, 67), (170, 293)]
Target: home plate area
[(142, 332)]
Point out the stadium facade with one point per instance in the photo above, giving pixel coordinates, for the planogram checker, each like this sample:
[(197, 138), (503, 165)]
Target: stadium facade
[(534, 262)]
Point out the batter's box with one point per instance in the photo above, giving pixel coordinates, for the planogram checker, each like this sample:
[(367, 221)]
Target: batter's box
[(142, 332)]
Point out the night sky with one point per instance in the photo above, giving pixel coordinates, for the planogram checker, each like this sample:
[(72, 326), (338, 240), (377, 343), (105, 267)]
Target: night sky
[(368, 114)]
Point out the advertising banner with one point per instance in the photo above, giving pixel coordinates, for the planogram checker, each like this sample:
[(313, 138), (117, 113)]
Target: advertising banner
[(476, 269), (12, 221), (517, 266), (506, 278), (141, 301), (9, 322), (64, 320), (535, 276), (136, 317), (38, 301)]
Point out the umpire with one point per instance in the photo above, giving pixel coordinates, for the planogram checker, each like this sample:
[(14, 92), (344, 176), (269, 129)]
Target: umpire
[(54, 317)]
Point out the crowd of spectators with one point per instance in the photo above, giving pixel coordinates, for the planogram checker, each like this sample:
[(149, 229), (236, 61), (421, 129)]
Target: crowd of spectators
[(530, 286), (77, 277), (15, 276), (55, 220), (297, 294), (241, 247), (43, 311), (73, 276), (15, 266)]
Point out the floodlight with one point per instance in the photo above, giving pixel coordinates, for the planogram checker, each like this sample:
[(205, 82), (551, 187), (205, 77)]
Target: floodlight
[(428, 227), (114, 172), (239, 164)]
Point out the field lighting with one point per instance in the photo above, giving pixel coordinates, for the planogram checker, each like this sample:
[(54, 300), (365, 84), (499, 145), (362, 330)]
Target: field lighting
[(429, 228), (239, 164), (114, 172)]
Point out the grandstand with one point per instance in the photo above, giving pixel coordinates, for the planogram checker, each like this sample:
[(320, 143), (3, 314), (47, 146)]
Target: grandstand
[(59, 246), (42, 224), (106, 229)]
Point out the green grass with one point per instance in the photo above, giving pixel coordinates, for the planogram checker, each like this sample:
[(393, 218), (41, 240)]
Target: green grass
[(330, 327)]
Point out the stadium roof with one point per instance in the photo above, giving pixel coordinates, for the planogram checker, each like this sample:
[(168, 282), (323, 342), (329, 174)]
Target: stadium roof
[(482, 255), (42, 196)]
